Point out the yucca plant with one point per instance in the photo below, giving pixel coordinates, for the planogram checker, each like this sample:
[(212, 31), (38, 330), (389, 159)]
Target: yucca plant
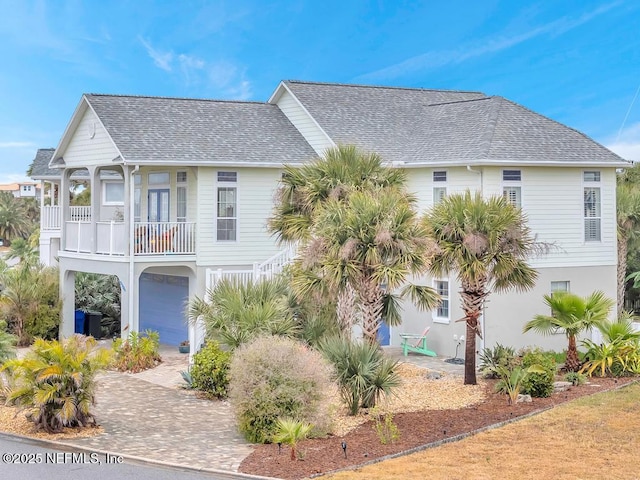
[(290, 431), (55, 382), (363, 373)]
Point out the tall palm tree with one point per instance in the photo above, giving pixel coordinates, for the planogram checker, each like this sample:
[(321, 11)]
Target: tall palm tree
[(373, 241), (628, 223), (14, 222), (572, 314), (305, 189), (486, 242), (301, 203)]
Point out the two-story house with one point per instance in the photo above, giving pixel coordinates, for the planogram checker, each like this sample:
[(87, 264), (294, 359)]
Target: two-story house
[(181, 190)]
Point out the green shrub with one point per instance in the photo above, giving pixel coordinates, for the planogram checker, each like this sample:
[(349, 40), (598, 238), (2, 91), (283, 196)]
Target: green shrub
[(7, 343), (210, 370), (576, 378), (384, 426), (363, 373), (275, 377), (539, 383), (137, 353), (496, 358), (55, 382)]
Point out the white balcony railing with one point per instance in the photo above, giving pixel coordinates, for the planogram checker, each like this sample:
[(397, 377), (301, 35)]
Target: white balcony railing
[(164, 238), (80, 214), (50, 217), (78, 237), (111, 239)]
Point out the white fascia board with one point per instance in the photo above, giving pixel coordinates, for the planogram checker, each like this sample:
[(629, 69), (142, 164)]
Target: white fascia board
[(214, 164), (72, 125)]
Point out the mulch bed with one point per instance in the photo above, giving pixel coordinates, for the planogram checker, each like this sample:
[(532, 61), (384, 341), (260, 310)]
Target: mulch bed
[(416, 429)]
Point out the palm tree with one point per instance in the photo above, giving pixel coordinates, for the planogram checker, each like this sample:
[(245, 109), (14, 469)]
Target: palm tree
[(304, 190), (628, 222), (13, 220), (23, 251), (309, 205), (572, 314), (238, 312), (371, 240), (486, 242)]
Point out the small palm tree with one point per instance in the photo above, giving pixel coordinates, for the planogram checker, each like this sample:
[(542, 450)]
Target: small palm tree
[(238, 312), (14, 222), (7, 343), (572, 314), (55, 382), (290, 432), (487, 243)]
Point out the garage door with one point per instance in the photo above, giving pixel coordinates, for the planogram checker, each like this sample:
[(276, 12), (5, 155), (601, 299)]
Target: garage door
[(162, 303)]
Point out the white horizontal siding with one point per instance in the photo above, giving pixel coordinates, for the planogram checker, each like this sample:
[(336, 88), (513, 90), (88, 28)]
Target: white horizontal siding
[(304, 123), (256, 190), (83, 150), (420, 182), (552, 200)]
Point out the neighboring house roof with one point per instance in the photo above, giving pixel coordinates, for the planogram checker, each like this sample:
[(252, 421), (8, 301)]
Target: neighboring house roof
[(14, 187), (40, 166), (151, 130), (418, 126)]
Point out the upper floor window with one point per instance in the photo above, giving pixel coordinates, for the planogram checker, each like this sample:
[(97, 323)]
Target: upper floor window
[(560, 286), (159, 178), (113, 192), (227, 219), (511, 187), (439, 191), (592, 207)]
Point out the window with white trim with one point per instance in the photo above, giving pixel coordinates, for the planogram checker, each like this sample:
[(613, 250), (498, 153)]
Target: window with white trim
[(512, 187), (560, 286), (181, 196), (113, 192), (439, 186), (227, 219), (442, 310), (592, 206)]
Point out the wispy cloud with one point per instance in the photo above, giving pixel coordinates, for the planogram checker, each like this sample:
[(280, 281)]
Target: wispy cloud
[(17, 145), (162, 60), (14, 178), (431, 60), (224, 77), (627, 143)]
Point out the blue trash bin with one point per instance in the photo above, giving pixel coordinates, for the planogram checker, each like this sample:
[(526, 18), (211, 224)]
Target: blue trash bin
[(80, 323)]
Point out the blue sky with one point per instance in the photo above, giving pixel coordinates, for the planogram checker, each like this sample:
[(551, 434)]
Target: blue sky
[(576, 61)]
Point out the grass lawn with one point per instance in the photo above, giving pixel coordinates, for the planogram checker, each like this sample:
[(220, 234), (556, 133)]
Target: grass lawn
[(594, 437)]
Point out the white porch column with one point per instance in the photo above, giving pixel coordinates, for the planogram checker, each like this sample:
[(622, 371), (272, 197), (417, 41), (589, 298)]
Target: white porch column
[(63, 196), (68, 297), (94, 179)]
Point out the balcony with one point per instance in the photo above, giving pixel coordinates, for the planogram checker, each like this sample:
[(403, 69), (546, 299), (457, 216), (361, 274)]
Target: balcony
[(51, 216), (164, 238)]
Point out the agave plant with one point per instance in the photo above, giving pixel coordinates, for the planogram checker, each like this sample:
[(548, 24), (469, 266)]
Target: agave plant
[(55, 382)]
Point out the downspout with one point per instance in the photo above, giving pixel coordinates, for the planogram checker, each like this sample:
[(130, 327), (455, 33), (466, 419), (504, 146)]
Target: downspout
[(483, 338), (132, 190)]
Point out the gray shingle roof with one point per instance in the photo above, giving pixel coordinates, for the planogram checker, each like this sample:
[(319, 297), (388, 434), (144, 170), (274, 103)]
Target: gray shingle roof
[(156, 129), (417, 125), (40, 165)]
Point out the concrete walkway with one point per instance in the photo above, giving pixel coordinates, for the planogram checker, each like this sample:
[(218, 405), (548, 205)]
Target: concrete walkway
[(147, 415)]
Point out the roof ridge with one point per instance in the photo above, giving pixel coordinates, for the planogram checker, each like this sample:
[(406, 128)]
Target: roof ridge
[(155, 97), (416, 89), (562, 125), (461, 101)]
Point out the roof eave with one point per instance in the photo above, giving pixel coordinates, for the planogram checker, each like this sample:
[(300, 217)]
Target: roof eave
[(524, 163)]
